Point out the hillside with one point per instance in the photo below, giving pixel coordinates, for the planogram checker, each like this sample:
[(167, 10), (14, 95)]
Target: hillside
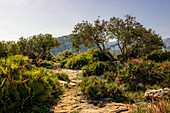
[(166, 41), (67, 45)]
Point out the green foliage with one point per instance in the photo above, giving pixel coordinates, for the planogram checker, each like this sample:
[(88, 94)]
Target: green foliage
[(14, 49), (109, 76), (38, 46), (24, 88), (63, 76), (145, 72), (84, 60), (89, 35), (159, 56), (94, 88), (77, 62), (133, 39), (3, 49), (97, 55), (47, 64), (97, 68), (64, 54)]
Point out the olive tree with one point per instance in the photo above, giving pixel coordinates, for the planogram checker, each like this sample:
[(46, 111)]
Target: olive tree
[(133, 39), (89, 35), (38, 45)]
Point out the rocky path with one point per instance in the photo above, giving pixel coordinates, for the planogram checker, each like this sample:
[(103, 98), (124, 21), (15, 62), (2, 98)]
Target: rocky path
[(73, 102)]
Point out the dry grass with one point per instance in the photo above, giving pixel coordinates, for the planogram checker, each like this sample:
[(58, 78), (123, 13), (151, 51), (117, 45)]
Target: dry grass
[(161, 106)]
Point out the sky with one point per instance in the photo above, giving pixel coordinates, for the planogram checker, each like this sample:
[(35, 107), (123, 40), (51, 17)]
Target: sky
[(58, 17)]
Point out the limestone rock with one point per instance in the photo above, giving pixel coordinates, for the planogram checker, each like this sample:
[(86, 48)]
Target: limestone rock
[(156, 93), (63, 83)]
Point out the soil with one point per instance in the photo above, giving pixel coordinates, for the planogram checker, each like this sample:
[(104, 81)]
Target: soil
[(72, 100)]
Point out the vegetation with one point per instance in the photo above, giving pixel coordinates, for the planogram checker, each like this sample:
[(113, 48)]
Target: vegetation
[(24, 88), (27, 86), (38, 46), (67, 45), (147, 73), (95, 88), (133, 39)]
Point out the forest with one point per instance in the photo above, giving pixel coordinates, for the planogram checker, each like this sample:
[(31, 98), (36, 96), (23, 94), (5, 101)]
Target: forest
[(28, 83)]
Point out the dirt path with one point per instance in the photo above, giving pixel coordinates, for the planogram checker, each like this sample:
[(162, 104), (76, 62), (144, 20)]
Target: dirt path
[(73, 102)]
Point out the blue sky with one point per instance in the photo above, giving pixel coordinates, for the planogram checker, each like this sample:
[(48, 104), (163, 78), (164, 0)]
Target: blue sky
[(58, 17)]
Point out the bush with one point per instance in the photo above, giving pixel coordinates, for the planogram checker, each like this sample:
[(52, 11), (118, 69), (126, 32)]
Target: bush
[(159, 56), (64, 54), (97, 55), (63, 76), (24, 88), (109, 76), (94, 88), (77, 62), (97, 68), (47, 64), (145, 72)]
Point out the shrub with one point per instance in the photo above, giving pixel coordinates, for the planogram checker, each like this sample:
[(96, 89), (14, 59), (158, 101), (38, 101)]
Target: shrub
[(97, 68), (159, 56), (63, 76), (109, 76), (97, 55), (94, 88), (64, 54), (77, 62), (100, 67), (24, 88), (145, 72), (47, 64)]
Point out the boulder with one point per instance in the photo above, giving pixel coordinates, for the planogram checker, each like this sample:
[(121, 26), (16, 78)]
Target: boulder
[(156, 94)]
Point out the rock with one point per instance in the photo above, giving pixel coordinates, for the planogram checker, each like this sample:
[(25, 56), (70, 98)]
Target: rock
[(76, 81), (72, 84), (140, 85), (57, 65), (63, 83), (156, 94), (79, 94)]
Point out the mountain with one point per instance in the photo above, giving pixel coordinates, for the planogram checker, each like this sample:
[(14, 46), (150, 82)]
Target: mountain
[(166, 42), (67, 45)]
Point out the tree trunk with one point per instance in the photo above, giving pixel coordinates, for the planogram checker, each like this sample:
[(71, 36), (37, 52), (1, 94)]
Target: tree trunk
[(107, 54)]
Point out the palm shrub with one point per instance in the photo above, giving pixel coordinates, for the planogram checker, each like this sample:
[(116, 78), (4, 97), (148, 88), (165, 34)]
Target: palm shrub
[(102, 67), (63, 76), (145, 72), (23, 87), (109, 76), (94, 88), (97, 68)]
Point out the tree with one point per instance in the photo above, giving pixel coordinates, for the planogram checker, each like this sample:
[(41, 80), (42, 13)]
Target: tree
[(13, 48), (89, 35), (38, 45), (3, 49), (133, 39)]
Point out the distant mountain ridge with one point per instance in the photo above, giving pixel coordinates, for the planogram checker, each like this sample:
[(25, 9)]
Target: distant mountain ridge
[(67, 45), (166, 42)]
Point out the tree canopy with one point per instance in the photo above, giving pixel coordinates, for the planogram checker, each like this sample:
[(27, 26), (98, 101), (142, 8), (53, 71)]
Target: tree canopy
[(133, 39), (38, 45)]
